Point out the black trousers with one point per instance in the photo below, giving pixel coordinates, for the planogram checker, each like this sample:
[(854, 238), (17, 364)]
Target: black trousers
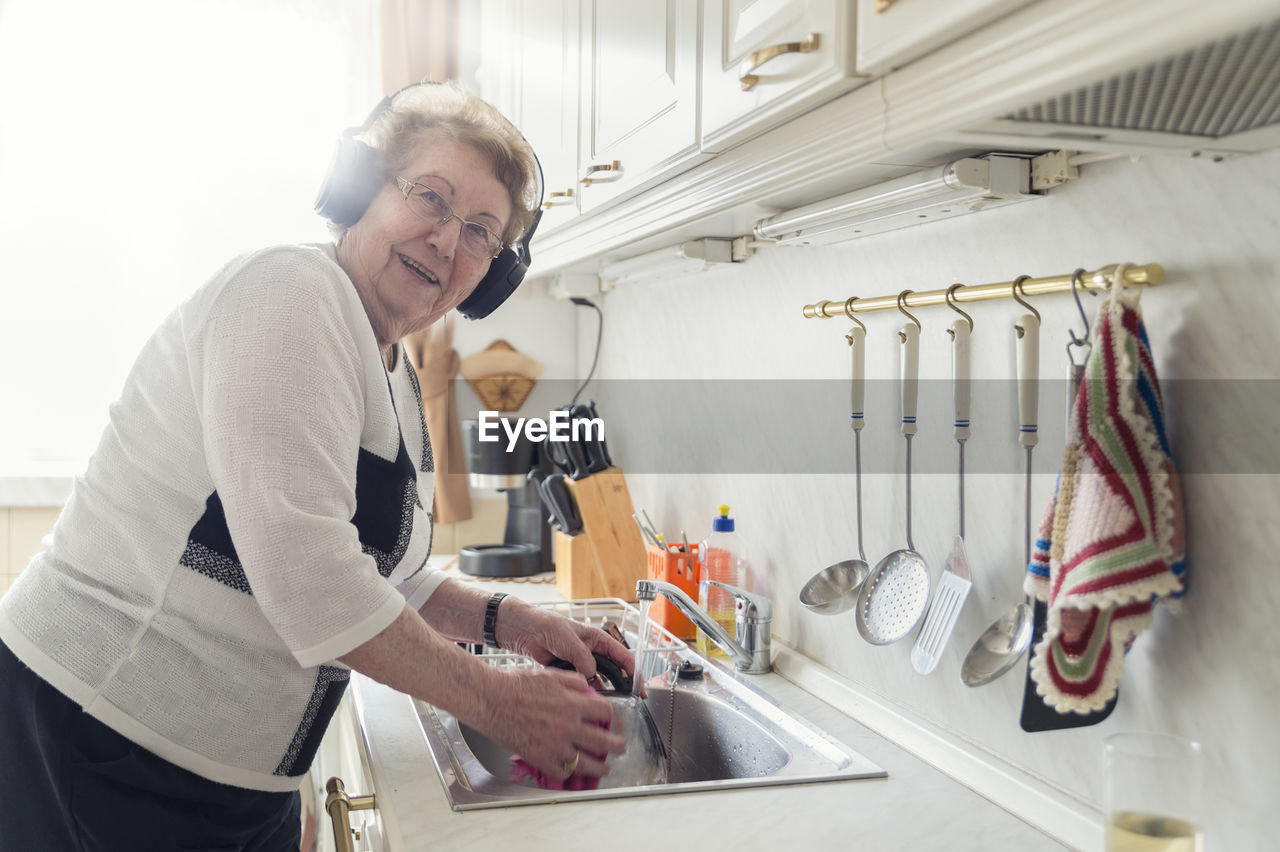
[(71, 784)]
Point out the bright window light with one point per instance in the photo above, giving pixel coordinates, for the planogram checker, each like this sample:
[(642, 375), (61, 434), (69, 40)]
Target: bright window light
[(143, 144)]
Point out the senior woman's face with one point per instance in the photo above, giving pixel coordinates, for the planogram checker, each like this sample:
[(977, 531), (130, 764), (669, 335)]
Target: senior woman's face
[(409, 271)]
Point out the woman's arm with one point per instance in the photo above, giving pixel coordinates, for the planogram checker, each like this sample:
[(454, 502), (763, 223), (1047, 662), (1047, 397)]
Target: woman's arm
[(456, 610), (547, 716)]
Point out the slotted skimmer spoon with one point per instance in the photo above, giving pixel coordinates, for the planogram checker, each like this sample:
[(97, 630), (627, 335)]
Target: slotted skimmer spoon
[(894, 596), (954, 584)]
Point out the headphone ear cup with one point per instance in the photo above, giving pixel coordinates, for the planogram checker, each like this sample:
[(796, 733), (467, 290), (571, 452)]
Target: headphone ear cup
[(506, 271), (353, 180)]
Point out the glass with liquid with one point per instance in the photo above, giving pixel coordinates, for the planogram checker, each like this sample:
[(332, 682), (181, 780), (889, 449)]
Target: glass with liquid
[(1154, 793)]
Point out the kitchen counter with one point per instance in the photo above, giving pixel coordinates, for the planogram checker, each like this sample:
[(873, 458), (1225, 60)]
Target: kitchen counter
[(915, 807)]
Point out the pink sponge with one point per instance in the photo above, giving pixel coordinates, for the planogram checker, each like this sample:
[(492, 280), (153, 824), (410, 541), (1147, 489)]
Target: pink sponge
[(521, 769)]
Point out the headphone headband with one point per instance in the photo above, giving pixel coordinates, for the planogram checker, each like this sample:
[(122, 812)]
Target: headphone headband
[(355, 176)]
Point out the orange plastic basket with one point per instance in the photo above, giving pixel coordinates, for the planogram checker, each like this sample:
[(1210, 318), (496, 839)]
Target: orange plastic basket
[(680, 570)]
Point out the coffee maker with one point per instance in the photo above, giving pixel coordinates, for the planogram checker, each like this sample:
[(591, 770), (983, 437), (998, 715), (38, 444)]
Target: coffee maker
[(526, 541)]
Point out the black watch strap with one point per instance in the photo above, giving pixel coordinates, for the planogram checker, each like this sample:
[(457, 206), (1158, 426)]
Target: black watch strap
[(491, 619)]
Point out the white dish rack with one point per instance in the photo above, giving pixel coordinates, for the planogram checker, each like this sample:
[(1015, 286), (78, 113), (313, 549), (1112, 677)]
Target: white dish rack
[(601, 612)]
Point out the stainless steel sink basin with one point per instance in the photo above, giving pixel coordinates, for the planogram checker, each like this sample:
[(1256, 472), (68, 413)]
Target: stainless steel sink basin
[(721, 732)]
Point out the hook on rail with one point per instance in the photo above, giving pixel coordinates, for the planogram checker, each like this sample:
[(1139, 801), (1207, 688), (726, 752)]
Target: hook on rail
[(1020, 298), (902, 298), (951, 303), (1076, 341), (848, 309)]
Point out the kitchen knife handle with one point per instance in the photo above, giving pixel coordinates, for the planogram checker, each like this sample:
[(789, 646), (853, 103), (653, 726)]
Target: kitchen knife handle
[(1028, 379), (580, 416), (555, 495), (857, 338), (575, 462), (960, 376), (604, 444), (909, 337)]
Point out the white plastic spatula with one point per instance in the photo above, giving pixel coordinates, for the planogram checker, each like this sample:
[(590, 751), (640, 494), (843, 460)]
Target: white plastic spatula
[(954, 583)]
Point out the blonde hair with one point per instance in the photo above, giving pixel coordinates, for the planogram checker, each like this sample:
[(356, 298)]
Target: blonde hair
[(448, 109)]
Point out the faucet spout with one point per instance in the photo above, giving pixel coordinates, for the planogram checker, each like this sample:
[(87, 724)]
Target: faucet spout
[(751, 649)]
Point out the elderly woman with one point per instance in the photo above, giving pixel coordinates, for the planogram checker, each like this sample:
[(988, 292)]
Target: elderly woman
[(255, 523)]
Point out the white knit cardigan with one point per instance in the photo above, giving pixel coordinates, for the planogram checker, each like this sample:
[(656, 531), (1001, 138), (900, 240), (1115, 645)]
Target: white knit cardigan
[(258, 506)]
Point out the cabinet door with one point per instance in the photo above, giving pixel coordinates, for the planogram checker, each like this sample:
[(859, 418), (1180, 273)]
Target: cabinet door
[(765, 61), (640, 94), (548, 100), (341, 755), (498, 49), (891, 33)]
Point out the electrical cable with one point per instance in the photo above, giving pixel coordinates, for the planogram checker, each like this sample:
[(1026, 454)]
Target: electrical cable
[(587, 303)]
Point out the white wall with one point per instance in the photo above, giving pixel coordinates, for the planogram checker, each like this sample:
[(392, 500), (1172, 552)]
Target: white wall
[(1209, 673)]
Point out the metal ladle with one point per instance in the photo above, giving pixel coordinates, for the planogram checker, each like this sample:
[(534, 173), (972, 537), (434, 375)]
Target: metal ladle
[(1000, 647), (834, 589)]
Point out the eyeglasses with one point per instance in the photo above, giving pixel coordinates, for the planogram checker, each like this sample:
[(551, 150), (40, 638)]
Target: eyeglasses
[(428, 204)]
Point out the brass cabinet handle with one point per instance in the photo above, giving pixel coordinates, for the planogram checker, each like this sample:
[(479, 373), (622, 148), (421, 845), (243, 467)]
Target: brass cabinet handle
[(882, 5), (558, 199), (746, 72), (339, 806), (602, 173)]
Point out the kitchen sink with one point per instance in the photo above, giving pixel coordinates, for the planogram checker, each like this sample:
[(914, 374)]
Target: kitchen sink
[(721, 732)]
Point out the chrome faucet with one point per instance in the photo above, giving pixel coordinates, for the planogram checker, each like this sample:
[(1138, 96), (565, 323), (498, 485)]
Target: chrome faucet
[(753, 622)]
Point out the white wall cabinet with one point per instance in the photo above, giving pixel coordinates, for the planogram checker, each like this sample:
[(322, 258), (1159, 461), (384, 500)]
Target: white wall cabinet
[(891, 33), (639, 89), (670, 147), (548, 111), (765, 61), (529, 70)]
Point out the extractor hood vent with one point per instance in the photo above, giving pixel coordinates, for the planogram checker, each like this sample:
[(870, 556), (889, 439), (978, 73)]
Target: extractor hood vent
[(1216, 91)]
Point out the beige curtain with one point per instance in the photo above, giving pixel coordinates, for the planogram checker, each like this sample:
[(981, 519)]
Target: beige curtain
[(419, 42), (437, 363)]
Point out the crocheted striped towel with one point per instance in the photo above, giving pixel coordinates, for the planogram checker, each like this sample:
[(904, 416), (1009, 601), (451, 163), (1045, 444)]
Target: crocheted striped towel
[(1111, 544)]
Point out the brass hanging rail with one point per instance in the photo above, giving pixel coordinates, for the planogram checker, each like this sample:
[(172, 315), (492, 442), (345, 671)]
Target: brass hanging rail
[(1149, 274)]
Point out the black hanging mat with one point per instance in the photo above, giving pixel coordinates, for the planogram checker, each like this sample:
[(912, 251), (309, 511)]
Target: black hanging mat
[(1038, 716)]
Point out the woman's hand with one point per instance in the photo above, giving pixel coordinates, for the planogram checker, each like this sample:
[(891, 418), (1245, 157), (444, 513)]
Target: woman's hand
[(552, 720), (548, 716), (545, 636)]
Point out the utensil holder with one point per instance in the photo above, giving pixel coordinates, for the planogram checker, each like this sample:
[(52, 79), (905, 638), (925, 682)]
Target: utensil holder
[(607, 558), (682, 571)]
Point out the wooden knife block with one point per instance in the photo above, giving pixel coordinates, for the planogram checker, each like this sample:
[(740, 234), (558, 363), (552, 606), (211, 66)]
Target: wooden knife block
[(607, 557)]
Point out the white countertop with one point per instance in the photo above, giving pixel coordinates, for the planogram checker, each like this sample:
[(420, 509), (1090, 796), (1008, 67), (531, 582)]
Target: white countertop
[(38, 491), (916, 807)]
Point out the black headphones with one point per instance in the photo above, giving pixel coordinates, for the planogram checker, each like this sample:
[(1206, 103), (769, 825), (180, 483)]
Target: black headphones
[(355, 177)]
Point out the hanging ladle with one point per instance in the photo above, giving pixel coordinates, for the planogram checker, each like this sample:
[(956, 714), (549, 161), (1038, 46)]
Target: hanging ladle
[(834, 589), (895, 594), (1000, 647)]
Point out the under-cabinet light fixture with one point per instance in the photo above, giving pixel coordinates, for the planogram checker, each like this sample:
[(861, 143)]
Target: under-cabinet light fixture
[(684, 259), (960, 187)]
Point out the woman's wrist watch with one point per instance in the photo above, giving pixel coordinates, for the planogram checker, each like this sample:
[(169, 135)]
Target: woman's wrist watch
[(491, 619)]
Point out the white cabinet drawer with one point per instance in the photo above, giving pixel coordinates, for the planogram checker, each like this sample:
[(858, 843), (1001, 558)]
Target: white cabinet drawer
[(765, 61), (892, 33)]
